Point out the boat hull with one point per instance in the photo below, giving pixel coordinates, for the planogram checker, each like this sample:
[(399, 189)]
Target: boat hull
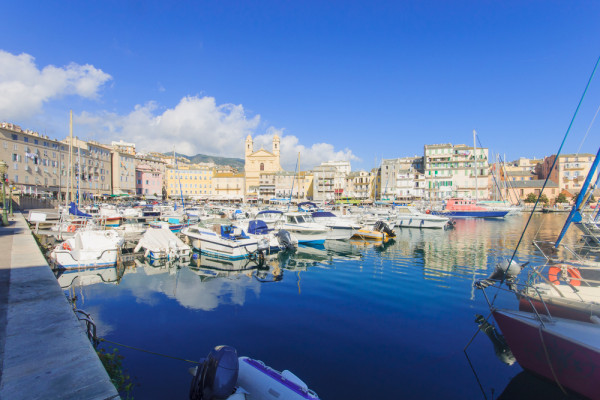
[(66, 259), (421, 223), (471, 214), (576, 365)]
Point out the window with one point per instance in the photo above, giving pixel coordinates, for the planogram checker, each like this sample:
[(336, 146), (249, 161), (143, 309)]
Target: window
[(262, 166), (14, 137), (25, 139)]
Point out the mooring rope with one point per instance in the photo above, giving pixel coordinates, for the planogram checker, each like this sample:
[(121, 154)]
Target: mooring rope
[(146, 351)]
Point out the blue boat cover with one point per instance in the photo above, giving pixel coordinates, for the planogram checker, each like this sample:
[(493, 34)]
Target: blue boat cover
[(323, 214), (73, 210), (258, 227)]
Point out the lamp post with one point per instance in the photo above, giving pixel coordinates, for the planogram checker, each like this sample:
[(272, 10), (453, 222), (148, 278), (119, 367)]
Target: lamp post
[(3, 171)]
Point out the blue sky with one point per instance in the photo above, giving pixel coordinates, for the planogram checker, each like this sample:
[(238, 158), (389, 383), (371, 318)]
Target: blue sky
[(347, 79)]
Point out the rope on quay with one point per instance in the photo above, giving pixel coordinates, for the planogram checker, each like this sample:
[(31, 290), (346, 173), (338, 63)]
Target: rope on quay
[(147, 351)]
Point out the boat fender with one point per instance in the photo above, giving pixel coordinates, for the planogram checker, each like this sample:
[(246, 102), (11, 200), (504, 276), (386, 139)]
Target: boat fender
[(574, 275), (66, 246), (595, 320), (427, 211)]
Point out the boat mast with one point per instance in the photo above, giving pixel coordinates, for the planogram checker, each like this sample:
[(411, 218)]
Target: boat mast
[(475, 163), (78, 175), (584, 195), (69, 171)]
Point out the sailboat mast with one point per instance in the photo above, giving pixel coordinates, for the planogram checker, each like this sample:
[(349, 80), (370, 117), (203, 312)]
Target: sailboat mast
[(70, 169), (78, 175), (475, 163), (299, 178)]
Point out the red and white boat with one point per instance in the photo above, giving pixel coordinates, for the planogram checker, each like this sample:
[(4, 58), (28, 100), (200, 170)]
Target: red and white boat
[(564, 351), (468, 208)]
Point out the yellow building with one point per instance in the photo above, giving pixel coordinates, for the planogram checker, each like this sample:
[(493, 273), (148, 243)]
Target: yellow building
[(259, 162), (193, 181), (228, 186)]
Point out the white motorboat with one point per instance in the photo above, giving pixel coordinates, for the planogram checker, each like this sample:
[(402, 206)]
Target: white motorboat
[(304, 228), (222, 240), (341, 228), (162, 244), (270, 217), (278, 239), (410, 217), (87, 249)]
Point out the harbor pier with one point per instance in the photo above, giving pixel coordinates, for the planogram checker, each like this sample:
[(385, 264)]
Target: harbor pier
[(44, 352)]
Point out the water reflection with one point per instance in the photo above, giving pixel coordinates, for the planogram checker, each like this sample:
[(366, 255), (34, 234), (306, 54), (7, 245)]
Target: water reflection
[(528, 386), (88, 276)]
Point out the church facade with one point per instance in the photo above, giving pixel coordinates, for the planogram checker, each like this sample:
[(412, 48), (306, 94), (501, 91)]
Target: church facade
[(259, 162)]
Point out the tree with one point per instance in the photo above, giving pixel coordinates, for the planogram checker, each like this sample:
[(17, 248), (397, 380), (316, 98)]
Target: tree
[(531, 198), (561, 198), (544, 199)]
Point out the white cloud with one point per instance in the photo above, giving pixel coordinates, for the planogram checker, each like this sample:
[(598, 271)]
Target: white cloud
[(309, 156), (200, 125), (24, 88)]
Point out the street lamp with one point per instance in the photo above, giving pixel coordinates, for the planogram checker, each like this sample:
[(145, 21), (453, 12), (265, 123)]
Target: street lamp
[(3, 171)]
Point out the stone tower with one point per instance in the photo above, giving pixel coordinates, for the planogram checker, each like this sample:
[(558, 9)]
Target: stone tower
[(249, 145), (276, 146)]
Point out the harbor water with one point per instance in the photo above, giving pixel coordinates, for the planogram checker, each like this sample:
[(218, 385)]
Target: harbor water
[(352, 319)]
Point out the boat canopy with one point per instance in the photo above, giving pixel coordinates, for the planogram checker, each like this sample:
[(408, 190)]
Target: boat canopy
[(258, 227), (323, 214)]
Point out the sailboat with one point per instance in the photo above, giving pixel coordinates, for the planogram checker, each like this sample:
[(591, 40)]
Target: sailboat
[(568, 288), (562, 350)]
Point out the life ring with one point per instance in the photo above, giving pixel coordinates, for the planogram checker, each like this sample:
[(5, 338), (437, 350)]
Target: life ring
[(574, 275), (66, 246), (71, 228)]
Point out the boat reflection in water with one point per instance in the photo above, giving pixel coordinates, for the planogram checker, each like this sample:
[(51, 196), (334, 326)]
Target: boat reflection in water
[(500, 346), (526, 385), (89, 276)]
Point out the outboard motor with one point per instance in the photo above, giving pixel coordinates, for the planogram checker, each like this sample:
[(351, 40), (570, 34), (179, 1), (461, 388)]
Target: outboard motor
[(285, 240), (216, 376), (381, 226), (505, 272)]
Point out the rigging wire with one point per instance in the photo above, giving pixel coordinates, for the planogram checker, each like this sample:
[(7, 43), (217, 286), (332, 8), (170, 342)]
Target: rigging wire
[(550, 171), (588, 130)]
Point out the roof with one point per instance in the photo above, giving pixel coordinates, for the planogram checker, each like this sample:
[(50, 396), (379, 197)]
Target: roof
[(519, 173), (536, 183)]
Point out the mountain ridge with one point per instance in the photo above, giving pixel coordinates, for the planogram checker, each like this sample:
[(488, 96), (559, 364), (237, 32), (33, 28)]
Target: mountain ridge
[(236, 163)]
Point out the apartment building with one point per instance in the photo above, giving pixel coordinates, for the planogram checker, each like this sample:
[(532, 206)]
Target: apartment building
[(228, 186), (569, 172), (149, 181), (192, 181), (402, 178), (359, 185), (41, 165), (455, 171)]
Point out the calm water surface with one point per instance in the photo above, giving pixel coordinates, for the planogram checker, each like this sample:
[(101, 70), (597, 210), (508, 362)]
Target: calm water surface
[(353, 320)]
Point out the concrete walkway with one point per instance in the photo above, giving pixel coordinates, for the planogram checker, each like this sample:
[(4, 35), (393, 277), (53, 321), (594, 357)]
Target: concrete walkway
[(44, 353)]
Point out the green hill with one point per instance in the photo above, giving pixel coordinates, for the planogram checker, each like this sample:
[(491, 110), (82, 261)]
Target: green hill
[(236, 163)]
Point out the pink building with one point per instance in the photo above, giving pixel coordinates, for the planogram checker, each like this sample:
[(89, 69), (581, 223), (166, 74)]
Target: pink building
[(148, 181)]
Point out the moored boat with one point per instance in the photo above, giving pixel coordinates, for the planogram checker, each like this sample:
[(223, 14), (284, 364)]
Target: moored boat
[(87, 249), (222, 240), (467, 208)]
